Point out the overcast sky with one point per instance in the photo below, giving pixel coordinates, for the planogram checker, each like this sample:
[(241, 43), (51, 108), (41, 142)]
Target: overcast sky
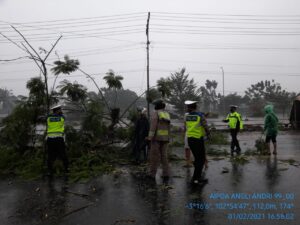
[(252, 40)]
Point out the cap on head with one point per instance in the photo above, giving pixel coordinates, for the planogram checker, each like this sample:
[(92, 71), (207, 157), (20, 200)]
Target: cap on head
[(234, 106), (159, 104), (191, 105), (189, 102)]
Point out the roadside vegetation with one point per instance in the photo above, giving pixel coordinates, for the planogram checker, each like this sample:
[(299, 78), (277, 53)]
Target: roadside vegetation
[(100, 124)]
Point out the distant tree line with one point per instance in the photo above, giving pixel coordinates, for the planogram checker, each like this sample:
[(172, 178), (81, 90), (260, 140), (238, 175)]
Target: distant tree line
[(178, 87)]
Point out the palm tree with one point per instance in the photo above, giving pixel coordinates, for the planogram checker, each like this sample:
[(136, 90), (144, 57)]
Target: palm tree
[(76, 92), (36, 89), (65, 67), (113, 82), (68, 66), (209, 92)]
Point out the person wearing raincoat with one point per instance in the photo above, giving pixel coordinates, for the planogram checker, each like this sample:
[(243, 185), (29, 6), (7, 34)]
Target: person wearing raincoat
[(270, 128)]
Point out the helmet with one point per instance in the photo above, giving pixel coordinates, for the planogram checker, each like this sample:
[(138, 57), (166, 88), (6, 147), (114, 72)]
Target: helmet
[(56, 107)]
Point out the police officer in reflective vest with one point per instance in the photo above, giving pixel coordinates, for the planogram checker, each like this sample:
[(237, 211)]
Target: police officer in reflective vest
[(55, 139), (159, 135), (196, 129), (235, 123)]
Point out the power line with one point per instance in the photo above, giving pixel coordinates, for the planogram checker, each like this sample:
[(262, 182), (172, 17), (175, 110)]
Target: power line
[(183, 61), (205, 73), (159, 15), (207, 32), (220, 14), (209, 17), (119, 28), (176, 47), (65, 28), (110, 17), (159, 25), (175, 19), (224, 63), (74, 33), (15, 59), (107, 52), (93, 35)]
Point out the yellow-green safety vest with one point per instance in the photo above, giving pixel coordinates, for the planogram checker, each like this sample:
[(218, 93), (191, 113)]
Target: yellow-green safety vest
[(193, 125), (164, 117), (56, 126), (233, 119)]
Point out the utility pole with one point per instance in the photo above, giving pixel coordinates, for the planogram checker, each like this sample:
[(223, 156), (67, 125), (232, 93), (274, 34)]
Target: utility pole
[(223, 88), (148, 43)]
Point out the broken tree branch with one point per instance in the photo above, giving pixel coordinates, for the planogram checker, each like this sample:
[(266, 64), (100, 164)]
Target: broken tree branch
[(37, 54), (52, 48), (13, 42)]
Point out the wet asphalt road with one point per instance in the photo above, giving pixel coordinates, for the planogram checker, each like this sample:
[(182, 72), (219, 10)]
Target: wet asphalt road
[(125, 198)]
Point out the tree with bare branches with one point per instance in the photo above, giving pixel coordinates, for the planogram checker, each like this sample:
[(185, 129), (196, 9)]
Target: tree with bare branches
[(37, 58)]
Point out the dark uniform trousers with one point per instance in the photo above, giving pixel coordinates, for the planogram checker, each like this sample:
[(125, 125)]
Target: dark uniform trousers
[(234, 140), (198, 149), (56, 149)]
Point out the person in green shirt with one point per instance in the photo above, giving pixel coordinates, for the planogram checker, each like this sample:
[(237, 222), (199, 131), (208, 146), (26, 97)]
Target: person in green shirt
[(271, 128)]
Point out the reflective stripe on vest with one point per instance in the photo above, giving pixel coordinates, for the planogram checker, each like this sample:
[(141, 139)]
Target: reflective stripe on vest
[(162, 132), (163, 117), (193, 126), (233, 119), (56, 126)]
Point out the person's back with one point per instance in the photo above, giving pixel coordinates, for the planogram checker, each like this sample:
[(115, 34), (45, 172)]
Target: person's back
[(159, 135), (55, 139), (141, 133), (142, 127), (271, 124), (55, 125), (271, 128)]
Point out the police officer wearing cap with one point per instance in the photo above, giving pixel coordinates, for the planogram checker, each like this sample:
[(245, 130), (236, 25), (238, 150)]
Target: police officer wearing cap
[(55, 139), (159, 135), (235, 123), (196, 129)]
